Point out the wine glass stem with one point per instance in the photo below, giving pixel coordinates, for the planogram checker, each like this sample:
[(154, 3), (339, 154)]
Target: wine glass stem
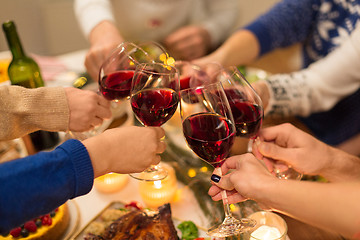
[(224, 197), (250, 143)]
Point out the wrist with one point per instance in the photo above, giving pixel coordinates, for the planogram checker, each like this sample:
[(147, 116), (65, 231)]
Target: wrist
[(266, 192), (97, 153), (341, 166)]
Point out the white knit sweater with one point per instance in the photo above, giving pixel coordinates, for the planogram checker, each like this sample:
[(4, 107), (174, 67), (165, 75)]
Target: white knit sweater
[(320, 86), (141, 20)]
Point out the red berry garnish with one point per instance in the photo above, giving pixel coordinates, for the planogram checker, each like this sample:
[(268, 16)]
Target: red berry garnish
[(46, 220), (15, 232), (30, 226)]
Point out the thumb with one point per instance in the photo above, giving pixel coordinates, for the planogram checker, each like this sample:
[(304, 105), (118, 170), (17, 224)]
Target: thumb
[(270, 150)]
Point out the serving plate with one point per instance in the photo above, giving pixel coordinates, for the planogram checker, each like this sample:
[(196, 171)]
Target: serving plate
[(79, 235), (74, 219)]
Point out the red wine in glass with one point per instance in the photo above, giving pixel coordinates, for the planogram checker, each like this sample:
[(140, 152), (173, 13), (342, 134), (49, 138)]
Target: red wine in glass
[(247, 115), (209, 130), (154, 107), (185, 82), (116, 85), (248, 119), (154, 100), (210, 136)]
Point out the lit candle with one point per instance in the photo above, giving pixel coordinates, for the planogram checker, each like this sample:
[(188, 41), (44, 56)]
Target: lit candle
[(111, 182), (157, 193), (270, 226), (266, 233)]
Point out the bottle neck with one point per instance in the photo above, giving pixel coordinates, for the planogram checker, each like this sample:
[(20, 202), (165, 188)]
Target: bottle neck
[(13, 40)]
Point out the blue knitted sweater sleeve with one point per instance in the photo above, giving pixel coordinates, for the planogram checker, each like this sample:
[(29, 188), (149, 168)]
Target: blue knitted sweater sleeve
[(37, 184), (288, 22)]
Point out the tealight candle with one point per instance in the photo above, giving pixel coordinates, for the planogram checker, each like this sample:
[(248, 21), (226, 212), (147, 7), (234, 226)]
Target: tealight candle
[(270, 226), (157, 193), (111, 182), (266, 233)]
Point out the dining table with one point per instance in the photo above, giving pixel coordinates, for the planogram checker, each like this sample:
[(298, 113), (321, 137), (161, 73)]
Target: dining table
[(63, 70)]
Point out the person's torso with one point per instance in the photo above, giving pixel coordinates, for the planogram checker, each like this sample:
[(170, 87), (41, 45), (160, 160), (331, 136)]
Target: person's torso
[(334, 21), (140, 20)]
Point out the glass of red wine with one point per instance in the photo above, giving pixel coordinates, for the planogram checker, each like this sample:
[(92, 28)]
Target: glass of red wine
[(154, 100), (117, 71), (209, 130), (247, 109), (245, 104), (191, 75)]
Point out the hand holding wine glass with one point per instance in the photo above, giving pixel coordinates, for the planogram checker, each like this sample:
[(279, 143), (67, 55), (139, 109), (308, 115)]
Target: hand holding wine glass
[(154, 99), (209, 130), (248, 113)]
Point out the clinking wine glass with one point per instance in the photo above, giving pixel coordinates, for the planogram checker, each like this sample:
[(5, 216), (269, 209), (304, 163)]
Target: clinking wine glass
[(209, 130), (247, 109), (154, 100), (117, 71), (245, 104), (191, 75)]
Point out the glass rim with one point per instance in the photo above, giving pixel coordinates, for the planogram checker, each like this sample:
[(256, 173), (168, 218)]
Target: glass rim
[(172, 70), (203, 86)]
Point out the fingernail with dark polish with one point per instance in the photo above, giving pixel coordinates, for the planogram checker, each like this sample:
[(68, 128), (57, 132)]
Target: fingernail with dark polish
[(215, 178)]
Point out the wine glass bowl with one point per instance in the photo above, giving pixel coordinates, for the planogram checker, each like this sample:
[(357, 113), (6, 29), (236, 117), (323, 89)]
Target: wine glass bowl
[(154, 100), (209, 130), (207, 127), (191, 75), (287, 172), (154, 96), (156, 52), (116, 72), (245, 103)]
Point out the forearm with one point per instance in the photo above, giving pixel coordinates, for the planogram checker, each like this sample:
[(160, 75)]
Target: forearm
[(279, 27), (90, 13), (241, 48), (343, 167), (27, 110), (330, 206), (38, 184), (103, 32)]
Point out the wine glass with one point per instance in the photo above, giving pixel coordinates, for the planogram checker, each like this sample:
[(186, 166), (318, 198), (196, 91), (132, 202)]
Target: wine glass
[(156, 52), (191, 75), (117, 71), (245, 104), (154, 100), (285, 171), (209, 130), (247, 109)]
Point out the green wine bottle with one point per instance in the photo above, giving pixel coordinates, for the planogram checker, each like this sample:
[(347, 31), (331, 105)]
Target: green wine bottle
[(25, 72)]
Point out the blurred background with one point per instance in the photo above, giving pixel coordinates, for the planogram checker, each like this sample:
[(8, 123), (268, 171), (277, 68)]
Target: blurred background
[(49, 27)]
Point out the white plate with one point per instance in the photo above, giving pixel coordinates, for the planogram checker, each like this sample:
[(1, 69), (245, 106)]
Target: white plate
[(74, 219)]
